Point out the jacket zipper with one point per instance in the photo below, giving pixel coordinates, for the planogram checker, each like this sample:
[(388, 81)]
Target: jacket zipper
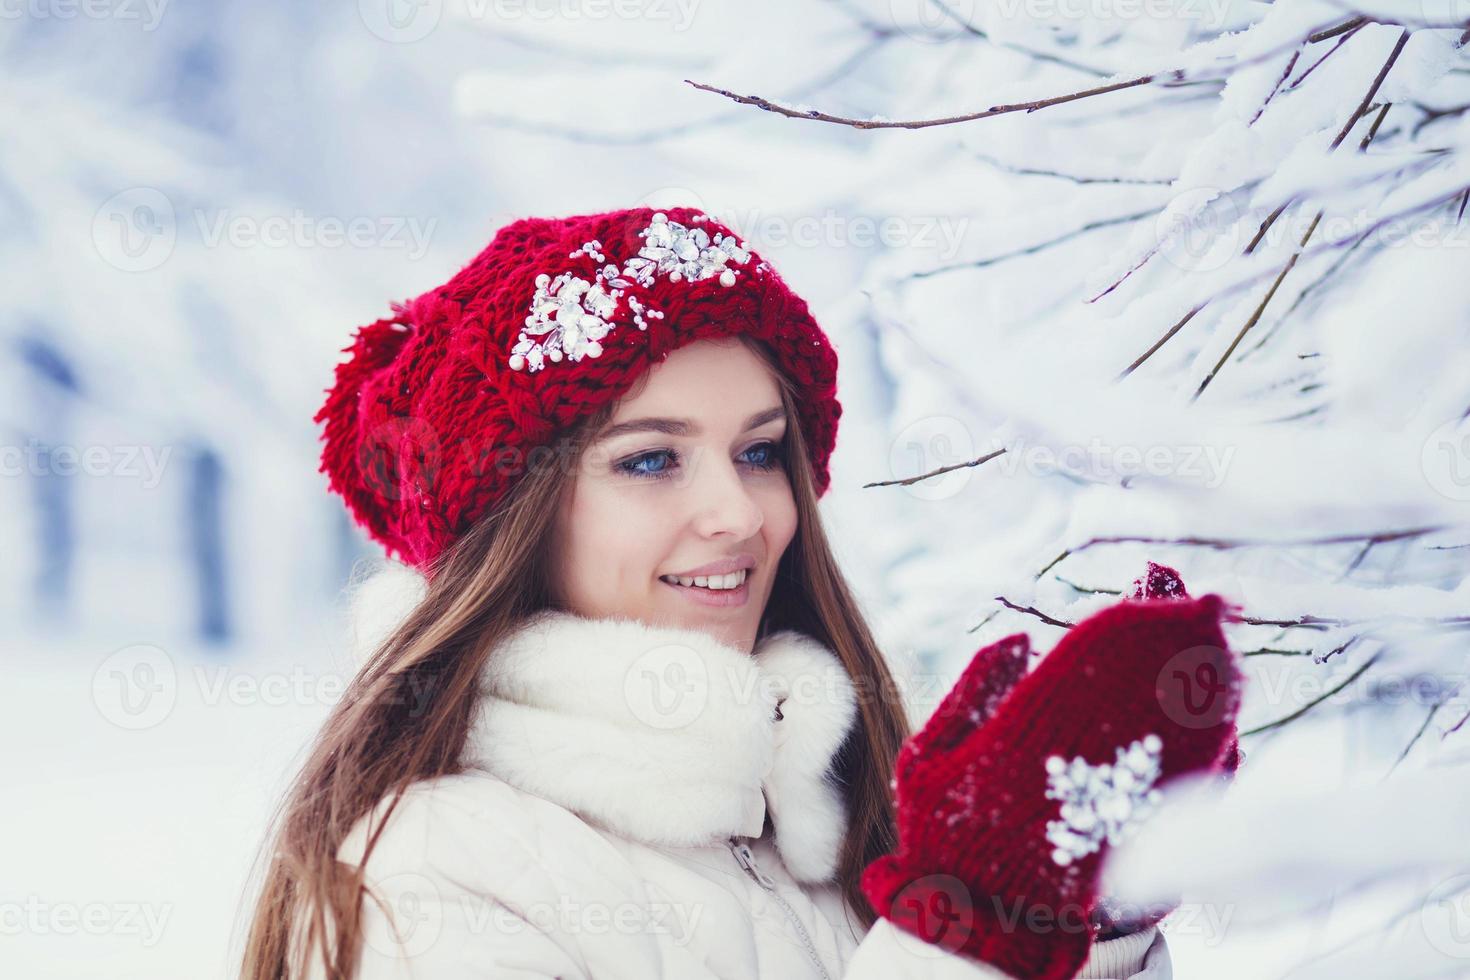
[(746, 859)]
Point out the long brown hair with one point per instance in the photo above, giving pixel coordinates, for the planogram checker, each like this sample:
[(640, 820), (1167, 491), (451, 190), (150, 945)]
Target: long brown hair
[(404, 717)]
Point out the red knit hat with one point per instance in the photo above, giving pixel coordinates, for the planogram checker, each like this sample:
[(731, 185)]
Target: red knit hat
[(433, 416)]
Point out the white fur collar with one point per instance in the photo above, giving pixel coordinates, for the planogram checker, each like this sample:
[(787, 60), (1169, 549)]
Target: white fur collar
[(660, 734)]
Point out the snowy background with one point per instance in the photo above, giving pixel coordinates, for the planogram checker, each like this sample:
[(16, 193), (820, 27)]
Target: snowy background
[(1213, 314)]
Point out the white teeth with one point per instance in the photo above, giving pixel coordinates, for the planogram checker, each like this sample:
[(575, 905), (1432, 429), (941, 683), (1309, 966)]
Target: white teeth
[(715, 582)]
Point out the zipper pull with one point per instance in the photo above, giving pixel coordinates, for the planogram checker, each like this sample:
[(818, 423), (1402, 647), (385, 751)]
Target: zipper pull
[(746, 859)]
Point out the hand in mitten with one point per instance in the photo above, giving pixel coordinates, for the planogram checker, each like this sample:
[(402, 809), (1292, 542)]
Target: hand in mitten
[(1003, 825), (1163, 582), (1112, 917)]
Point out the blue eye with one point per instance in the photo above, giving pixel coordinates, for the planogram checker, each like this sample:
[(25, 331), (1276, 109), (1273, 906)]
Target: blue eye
[(769, 456), (772, 454), (631, 466)]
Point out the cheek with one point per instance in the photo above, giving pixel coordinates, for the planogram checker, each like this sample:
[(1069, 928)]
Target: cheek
[(612, 538), (779, 508)]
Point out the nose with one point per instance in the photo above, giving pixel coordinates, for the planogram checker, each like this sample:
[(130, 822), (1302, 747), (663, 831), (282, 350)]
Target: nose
[(721, 500)]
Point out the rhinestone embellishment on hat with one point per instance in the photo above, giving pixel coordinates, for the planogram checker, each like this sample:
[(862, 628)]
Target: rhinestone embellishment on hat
[(570, 316), (680, 253), (1104, 802)]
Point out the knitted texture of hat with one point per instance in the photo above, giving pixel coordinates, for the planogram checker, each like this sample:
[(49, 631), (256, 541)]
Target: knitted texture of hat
[(438, 409)]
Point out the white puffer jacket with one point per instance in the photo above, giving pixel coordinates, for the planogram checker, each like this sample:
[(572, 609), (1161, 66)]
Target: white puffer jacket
[(612, 823)]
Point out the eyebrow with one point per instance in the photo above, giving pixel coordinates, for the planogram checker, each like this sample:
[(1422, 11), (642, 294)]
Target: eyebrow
[(683, 427)]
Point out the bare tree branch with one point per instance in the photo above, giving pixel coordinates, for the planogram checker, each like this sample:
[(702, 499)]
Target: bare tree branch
[(1160, 342), (1221, 544), (1033, 611), (1418, 734), (1259, 310), (1329, 53), (1290, 64), (1122, 219), (910, 481), (1331, 32), (1368, 96), (1172, 77), (1352, 120), (817, 115), (1315, 701), (1074, 178)]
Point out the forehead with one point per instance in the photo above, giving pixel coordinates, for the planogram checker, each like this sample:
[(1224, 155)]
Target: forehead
[(705, 379)]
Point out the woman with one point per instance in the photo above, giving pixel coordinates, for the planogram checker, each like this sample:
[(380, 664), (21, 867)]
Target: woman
[(631, 722)]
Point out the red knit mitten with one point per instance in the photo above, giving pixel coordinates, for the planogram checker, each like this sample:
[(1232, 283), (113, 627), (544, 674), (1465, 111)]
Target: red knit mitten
[(1163, 582), (1003, 825), (1112, 917)]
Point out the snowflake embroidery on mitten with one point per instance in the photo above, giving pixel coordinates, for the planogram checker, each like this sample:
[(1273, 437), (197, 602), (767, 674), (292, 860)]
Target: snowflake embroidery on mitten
[(1101, 803)]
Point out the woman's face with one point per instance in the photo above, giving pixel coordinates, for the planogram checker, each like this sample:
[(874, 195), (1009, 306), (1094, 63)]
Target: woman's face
[(686, 473)]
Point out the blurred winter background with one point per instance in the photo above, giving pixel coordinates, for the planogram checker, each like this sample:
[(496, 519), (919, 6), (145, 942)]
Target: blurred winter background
[(1211, 312)]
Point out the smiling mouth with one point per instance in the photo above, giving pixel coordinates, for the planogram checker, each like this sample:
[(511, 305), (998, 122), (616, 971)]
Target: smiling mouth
[(714, 583), (722, 594)]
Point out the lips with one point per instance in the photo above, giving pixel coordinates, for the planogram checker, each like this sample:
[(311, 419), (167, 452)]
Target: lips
[(724, 566)]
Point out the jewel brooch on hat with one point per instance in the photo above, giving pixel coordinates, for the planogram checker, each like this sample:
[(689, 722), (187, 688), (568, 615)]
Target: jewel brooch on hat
[(570, 316)]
